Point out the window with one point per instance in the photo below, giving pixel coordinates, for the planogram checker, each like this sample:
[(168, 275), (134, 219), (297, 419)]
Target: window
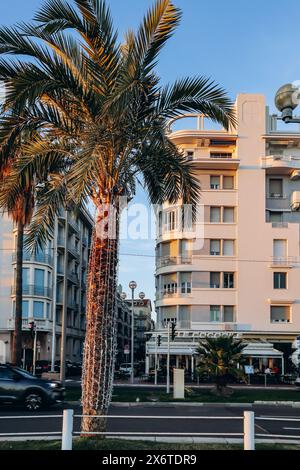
[(215, 214), (228, 247), (275, 187), (6, 373), (186, 287), (215, 312), (38, 309), (215, 247), (280, 248), (190, 155), (228, 182), (228, 280), (215, 280), (39, 281), (280, 313), (229, 313), (160, 223), (275, 216), (228, 215), (215, 182), (48, 311), (25, 306), (279, 280), (170, 218), (25, 277), (220, 155)]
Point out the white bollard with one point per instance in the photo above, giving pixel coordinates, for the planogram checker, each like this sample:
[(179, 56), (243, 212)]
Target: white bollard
[(249, 439), (67, 430)]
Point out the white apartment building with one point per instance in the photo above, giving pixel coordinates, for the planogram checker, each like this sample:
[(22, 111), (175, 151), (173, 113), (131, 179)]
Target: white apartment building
[(243, 278), (54, 279)]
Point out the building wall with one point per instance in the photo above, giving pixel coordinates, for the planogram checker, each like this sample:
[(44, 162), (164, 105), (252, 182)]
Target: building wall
[(43, 292), (252, 260)]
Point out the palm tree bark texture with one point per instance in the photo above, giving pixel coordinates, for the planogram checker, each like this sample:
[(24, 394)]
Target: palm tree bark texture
[(100, 341), (17, 335)]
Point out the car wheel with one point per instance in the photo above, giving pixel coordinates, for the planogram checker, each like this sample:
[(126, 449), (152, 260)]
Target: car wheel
[(33, 401)]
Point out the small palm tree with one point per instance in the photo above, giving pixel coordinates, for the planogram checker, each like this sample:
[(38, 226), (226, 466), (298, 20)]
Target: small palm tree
[(18, 203), (221, 358), (102, 119)]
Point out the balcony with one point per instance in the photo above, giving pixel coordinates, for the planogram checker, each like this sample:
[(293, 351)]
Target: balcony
[(283, 262), (41, 324), (33, 290), (34, 258), (73, 251), (280, 224), (73, 224), (73, 277), (282, 162), (164, 261), (212, 162), (295, 201)]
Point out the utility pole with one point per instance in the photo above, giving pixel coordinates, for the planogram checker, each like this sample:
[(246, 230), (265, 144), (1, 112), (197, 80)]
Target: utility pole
[(132, 286), (65, 309), (168, 360), (155, 372), (34, 348), (54, 290)]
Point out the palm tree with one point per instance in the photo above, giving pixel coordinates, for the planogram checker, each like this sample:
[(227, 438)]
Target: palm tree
[(19, 207), (221, 358), (102, 116)]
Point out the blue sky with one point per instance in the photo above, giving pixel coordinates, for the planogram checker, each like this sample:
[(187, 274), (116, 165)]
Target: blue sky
[(247, 46)]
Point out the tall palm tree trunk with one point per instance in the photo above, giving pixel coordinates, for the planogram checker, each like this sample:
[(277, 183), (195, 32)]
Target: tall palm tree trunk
[(17, 337), (100, 342)]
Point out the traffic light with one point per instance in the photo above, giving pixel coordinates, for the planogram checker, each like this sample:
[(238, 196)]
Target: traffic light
[(173, 330), (31, 328), (158, 340)]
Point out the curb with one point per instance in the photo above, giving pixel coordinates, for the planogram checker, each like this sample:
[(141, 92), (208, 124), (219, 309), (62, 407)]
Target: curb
[(173, 404)]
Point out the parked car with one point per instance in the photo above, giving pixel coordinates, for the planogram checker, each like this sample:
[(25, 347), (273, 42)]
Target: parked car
[(18, 386), (42, 366), (69, 368)]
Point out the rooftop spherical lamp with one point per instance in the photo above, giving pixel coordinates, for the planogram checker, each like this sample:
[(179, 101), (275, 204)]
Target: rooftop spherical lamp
[(123, 295), (142, 295), (286, 100)]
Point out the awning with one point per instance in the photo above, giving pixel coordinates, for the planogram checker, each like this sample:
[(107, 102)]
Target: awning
[(261, 350)]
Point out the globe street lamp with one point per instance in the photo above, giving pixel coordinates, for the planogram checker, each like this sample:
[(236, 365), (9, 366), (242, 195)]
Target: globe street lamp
[(132, 286), (287, 99), (142, 295)]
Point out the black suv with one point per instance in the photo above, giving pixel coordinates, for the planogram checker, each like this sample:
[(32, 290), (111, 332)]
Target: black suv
[(18, 386)]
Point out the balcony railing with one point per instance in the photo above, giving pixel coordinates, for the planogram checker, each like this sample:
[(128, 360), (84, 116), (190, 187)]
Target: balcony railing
[(73, 277), (283, 261), (173, 260), (41, 324), (73, 225), (35, 258), (34, 290), (280, 224), (73, 251)]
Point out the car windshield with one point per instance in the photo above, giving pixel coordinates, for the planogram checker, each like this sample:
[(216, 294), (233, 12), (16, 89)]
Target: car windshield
[(25, 374)]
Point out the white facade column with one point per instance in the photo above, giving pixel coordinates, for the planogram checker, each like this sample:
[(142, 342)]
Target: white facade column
[(147, 365), (192, 366), (177, 362)]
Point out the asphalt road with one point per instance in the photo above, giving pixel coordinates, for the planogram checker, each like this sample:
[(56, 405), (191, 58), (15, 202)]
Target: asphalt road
[(48, 421)]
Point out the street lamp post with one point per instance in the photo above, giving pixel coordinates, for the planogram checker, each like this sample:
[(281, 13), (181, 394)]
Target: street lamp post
[(287, 98), (132, 286)]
